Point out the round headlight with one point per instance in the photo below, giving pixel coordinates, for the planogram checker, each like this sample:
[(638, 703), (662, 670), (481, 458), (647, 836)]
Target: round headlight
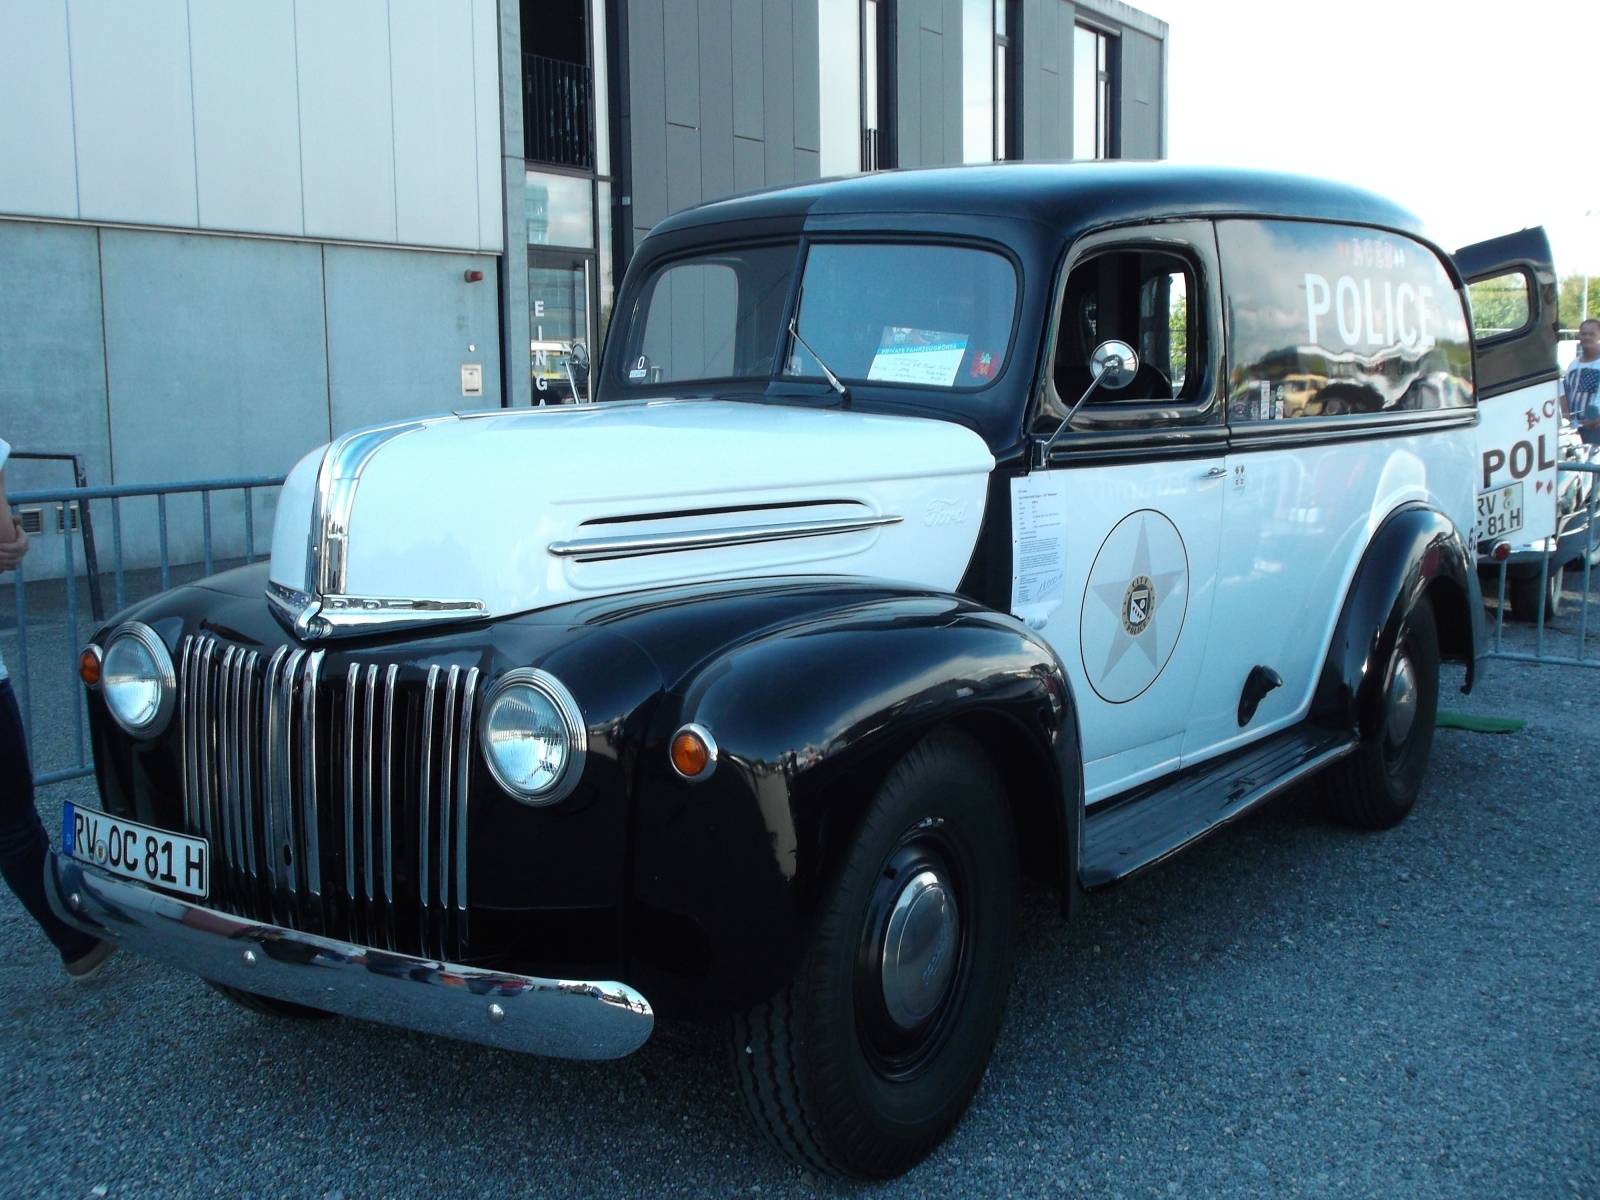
[(137, 680), (533, 736)]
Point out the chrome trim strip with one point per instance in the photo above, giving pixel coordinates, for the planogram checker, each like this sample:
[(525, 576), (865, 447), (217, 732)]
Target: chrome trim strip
[(284, 809), (463, 777), (312, 617), (424, 786), (580, 1019), (255, 763), (209, 772), (351, 679), (227, 734), (308, 775), (331, 505), (231, 725), (190, 719), (446, 787), (269, 760), (369, 734), (386, 769), (601, 549)]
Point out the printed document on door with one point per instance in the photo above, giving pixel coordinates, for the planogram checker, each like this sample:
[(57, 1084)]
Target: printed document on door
[(1038, 547)]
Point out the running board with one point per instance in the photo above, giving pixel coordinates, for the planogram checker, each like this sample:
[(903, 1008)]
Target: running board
[(1158, 820)]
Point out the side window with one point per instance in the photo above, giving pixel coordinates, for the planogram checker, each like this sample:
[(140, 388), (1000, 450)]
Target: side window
[(1141, 297), (1333, 321), (710, 317), (1500, 305)]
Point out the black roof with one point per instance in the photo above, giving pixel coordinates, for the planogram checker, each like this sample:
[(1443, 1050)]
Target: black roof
[(1069, 196)]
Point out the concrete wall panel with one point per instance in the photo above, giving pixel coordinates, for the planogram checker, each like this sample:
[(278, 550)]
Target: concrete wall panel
[(52, 365), (346, 119), (38, 174), (777, 88), (486, 100), (647, 68), (399, 327), (716, 98), (435, 122), (1047, 79), (1141, 95), (747, 70), (246, 116), (133, 111)]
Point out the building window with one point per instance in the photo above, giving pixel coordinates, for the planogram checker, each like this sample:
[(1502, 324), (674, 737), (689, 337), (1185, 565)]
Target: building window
[(1006, 21), (568, 209), (1095, 132)]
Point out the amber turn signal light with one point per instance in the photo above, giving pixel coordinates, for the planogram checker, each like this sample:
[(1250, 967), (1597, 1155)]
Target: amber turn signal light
[(693, 752), (89, 660)]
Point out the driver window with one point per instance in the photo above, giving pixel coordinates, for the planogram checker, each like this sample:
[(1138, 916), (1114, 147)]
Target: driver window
[(1136, 296)]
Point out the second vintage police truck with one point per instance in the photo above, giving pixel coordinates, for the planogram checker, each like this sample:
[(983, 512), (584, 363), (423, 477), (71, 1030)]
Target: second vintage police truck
[(927, 528)]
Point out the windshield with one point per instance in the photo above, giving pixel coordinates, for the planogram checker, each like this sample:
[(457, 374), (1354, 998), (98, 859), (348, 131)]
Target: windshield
[(897, 313), (936, 316), (713, 316)]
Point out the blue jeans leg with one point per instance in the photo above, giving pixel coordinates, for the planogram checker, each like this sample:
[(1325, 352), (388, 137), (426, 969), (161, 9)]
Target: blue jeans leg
[(23, 844)]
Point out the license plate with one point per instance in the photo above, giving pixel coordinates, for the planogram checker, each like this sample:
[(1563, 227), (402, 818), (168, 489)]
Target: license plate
[(133, 851), (1500, 511)]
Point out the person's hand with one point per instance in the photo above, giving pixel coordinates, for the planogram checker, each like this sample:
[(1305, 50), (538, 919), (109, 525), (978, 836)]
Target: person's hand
[(15, 550)]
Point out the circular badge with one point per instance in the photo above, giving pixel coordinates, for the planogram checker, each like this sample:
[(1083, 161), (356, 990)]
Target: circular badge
[(1133, 606)]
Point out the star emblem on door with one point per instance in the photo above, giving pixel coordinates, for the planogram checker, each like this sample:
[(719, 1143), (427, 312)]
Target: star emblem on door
[(1138, 607)]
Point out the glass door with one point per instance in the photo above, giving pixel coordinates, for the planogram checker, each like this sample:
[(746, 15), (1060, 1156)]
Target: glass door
[(560, 317)]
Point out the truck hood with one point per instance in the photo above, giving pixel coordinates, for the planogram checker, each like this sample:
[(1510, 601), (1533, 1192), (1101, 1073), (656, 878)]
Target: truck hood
[(488, 514)]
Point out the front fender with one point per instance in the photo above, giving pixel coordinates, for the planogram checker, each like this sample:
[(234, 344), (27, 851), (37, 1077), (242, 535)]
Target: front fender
[(1416, 552), (809, 715)]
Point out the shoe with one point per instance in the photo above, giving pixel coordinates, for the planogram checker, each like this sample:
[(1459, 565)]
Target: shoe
[(85, 965)]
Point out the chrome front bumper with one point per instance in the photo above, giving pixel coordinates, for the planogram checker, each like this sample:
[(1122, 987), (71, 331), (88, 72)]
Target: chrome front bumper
[(561, 1018)]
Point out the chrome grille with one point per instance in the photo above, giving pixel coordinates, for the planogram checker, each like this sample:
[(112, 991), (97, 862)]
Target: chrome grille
[(335, 801)]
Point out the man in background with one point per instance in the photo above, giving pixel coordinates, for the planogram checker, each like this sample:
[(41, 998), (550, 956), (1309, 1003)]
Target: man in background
[(23, 845), (1582, 383)]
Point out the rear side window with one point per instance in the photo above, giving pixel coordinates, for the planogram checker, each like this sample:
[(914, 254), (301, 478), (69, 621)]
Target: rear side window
[(1338, 321), (1136, 296), (1501, 305)]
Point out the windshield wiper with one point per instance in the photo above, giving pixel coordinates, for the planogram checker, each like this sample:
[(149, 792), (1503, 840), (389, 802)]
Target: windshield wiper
[(833, 380)]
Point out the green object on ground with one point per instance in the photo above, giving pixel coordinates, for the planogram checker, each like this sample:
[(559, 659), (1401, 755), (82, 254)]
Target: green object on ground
[(1476, 724)]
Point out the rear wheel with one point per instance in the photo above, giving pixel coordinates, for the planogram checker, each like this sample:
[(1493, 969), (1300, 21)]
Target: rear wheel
[(868, 1058), (271, 1006), (1375, 787), (1524, 596)]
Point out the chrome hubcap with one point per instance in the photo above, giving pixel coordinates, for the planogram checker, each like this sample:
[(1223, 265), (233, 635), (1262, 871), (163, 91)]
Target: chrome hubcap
[(1402, 699), (919, 948)]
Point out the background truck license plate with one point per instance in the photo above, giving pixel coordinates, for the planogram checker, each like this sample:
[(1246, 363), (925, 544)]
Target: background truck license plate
[(1500, 511)]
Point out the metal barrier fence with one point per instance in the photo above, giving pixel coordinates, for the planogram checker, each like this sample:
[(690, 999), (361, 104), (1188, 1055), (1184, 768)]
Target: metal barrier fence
[(1556, 559), (75, 517)]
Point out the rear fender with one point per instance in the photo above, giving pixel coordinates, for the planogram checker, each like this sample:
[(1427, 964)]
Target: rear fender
[(1416, 552), (730, 873)]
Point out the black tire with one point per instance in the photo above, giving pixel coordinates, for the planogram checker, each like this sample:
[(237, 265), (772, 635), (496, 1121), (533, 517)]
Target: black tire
[(830, 1076), (1524, 597), (1375, 787), (270, 1006)]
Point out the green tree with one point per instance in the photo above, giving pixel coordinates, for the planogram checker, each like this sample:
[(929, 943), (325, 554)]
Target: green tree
[(1571, 307)]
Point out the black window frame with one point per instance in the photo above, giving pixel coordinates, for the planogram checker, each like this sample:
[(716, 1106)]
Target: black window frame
[(1136, 426)]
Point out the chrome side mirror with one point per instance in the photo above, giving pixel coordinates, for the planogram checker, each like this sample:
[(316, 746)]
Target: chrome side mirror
[(1113, 365)]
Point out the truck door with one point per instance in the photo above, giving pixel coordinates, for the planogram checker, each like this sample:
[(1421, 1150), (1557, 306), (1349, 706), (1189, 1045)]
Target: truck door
[(1350, 395), (1115, 538), (1511, 282)]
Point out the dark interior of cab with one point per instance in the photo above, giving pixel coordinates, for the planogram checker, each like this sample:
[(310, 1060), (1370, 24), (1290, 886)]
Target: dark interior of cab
[(1135, 296)]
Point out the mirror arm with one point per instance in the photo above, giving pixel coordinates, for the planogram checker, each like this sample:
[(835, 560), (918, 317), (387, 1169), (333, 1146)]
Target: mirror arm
[(1049, 443)]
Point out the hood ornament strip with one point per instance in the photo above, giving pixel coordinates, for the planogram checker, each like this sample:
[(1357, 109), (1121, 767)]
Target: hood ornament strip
[(601, 549), (315, 617)]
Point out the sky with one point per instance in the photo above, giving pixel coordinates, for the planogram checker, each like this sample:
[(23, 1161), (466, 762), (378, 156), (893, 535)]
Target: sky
[(1472, 116)]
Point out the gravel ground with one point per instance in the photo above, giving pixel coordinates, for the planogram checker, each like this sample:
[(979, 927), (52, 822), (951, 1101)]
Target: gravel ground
[(1289, 1009)]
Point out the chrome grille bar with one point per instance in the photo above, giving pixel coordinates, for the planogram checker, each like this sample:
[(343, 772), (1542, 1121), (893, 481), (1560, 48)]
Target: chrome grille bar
[(386, 787), (463, 775), (308, 777), (253, 762), (424, 788), (368, 832), (227, 730), (446, 781), (350, 682), (191, 724)]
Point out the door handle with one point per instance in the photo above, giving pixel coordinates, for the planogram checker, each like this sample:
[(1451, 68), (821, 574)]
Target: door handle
[(1216, 472)]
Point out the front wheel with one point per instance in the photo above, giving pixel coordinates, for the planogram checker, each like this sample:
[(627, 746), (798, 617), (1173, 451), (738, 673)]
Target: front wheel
[(1375, 787), (867, 1059)]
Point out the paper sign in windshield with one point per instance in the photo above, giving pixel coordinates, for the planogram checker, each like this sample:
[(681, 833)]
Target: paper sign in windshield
[(927, 356)]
